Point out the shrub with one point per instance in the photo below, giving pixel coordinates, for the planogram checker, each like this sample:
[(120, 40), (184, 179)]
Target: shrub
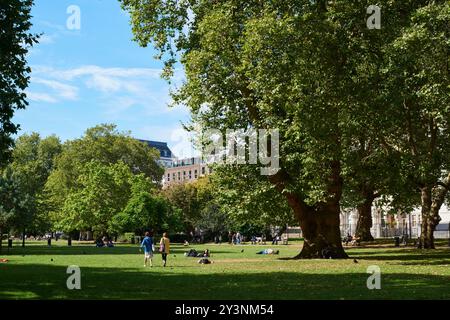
[(178, 238), (126, 237)]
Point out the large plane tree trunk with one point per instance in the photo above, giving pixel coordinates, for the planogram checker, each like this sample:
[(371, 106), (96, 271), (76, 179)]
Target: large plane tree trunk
[(432, 200), (322, 236), (320, 222), (427, 235), (364, 223)]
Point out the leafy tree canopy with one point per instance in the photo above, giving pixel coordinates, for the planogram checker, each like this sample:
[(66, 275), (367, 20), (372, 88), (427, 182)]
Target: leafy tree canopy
[(15, 41)]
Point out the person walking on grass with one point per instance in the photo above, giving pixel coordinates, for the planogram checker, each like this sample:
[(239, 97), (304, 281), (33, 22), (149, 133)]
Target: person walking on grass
[(147, 244), (164, 248)]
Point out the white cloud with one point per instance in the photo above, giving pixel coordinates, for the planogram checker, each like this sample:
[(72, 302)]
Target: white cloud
[(51, 25), (40, 97), (58, 29), (92, 70), (125, 95), (118, 89), (46, 39), (64, 91), (107, 80), (103, 83)]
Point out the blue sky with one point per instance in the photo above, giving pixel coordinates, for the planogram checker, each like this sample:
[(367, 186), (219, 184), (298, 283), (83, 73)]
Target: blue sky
[(97, 74)]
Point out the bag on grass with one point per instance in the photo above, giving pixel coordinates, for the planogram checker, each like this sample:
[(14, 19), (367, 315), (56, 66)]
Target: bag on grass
[(204, 261)]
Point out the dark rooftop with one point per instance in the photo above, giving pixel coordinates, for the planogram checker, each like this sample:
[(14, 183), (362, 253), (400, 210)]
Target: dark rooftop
[(162, 147)]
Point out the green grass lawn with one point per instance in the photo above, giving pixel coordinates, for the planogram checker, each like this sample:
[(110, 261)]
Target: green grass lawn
[(39, 272)]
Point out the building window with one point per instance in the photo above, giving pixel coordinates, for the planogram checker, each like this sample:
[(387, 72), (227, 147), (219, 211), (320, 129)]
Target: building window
[(179, 178), (210, 170), (195, 174), (168, 177), (203, 170), (190, 174)]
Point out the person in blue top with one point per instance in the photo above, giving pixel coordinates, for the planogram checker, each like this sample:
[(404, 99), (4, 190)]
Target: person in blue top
[(147, 244)]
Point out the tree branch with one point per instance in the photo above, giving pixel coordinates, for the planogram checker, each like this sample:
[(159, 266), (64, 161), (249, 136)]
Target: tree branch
[(410, 131)]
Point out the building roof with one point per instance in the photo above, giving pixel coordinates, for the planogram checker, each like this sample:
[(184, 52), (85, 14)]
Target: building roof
[(162, 147)]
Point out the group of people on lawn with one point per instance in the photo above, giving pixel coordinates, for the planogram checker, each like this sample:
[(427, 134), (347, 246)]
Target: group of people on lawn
[(104, 242), (353, 240), (164, 248), (149, 247)]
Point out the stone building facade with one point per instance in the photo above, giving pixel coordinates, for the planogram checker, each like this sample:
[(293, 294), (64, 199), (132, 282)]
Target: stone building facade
[(387, 225), (185, 170)]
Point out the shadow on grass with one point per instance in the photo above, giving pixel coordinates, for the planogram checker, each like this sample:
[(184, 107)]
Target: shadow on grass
[(406, 256), (440, 256), (49, 282), (88, 250), (427, 263)]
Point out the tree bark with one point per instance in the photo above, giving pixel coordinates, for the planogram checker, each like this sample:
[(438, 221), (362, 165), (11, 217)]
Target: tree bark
[(428, 234), (365, 217), (430, 212), (319, 223), (23, 239), (321, 233), (1, 239)]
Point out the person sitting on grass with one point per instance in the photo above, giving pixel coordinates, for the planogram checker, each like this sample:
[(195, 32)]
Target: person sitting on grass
[(268, 251), (347, 239), (99, 243), (356, 241)]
